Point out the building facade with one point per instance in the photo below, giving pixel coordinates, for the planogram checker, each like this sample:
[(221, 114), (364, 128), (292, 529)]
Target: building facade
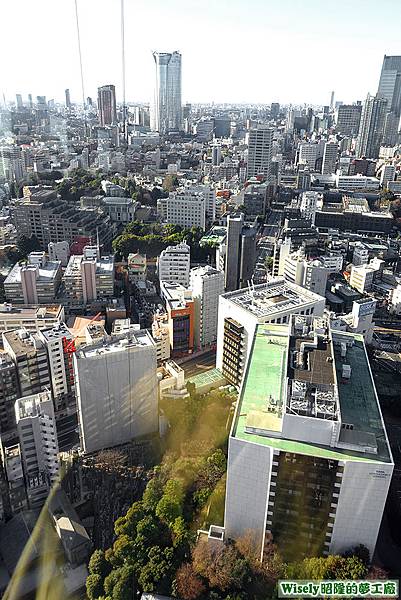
[(303, 455), (167, 113)]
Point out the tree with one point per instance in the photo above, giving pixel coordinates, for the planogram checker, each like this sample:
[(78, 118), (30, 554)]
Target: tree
[(158, 570), (170, 504), (189, 585), (94, 586), (98, 565), (26, 245), (127, 525), (152, 494), (222, 566)]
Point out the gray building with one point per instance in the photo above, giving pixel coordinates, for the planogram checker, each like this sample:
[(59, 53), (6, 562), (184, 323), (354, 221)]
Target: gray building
[(371, 128), (260, 148), (8, 396), (240, 252), (116, 390), (348, 119), (34, 282), (167, 96), (29, 355), (390, 83)]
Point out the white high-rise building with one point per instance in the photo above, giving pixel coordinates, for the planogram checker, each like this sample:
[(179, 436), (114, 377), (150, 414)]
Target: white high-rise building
[(260, 150), (116, 390), (173, 264), (329, 158), (185, 208), (206, 284), (241, 311), (166, 109), (308, 443), (38, 440)]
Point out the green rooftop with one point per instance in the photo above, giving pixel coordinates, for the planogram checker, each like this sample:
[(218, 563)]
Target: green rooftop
[(261, 400), (214, 236)]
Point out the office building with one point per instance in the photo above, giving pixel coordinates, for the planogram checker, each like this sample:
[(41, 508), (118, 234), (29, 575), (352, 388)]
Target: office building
[(241, 311), (371, 127), (240, 249), (173, 264), (121, 210), (216, 155), (206, 284), (311, 274), (180, 309), (89, 277), (14, 472), (354, 183), (67, 99), (107, 106), (185, 208), (166, 110), (390, 83), (255, 200), (348, 119), (33, 282), (29, 355), (354, 215), (116, 390), (310, 153), (387, 175), (19, 101), (309, 203), (60, 347), (329, 158), (8, 396), (260, 149), (39, 448), (308, 444), (32, 318)]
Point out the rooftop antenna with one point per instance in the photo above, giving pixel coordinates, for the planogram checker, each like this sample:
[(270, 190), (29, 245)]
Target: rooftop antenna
[(125, 128), (80, 66)]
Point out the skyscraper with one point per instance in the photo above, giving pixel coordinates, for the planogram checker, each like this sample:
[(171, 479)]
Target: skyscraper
[(20, 104), (67, 98), (390, 83), (167, 100), (371, 128), (260, 146), (348, 119), (106, 99), (329, 158)]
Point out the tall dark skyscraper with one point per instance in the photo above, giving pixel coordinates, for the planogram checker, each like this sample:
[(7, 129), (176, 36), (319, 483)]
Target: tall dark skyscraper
[(371, 129), (390, 83), (67, 98), (106, 101)]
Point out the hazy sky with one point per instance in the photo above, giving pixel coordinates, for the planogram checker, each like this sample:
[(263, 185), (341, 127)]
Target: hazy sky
[(233, 50)]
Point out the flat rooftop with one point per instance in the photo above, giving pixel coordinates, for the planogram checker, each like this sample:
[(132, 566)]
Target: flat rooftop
[(358, 400), (104, 265), (263, 397), (30, 311), (46, 273), (275, 296), (58, 331), (22, 341), (116, 343), (214, 236)]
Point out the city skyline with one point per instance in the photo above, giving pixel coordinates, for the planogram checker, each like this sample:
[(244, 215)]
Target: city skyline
[(224, 69)]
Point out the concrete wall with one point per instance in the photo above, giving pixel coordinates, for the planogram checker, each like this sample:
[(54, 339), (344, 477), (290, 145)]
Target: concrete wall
[(117, 396), (248, 478), (363, 494)]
